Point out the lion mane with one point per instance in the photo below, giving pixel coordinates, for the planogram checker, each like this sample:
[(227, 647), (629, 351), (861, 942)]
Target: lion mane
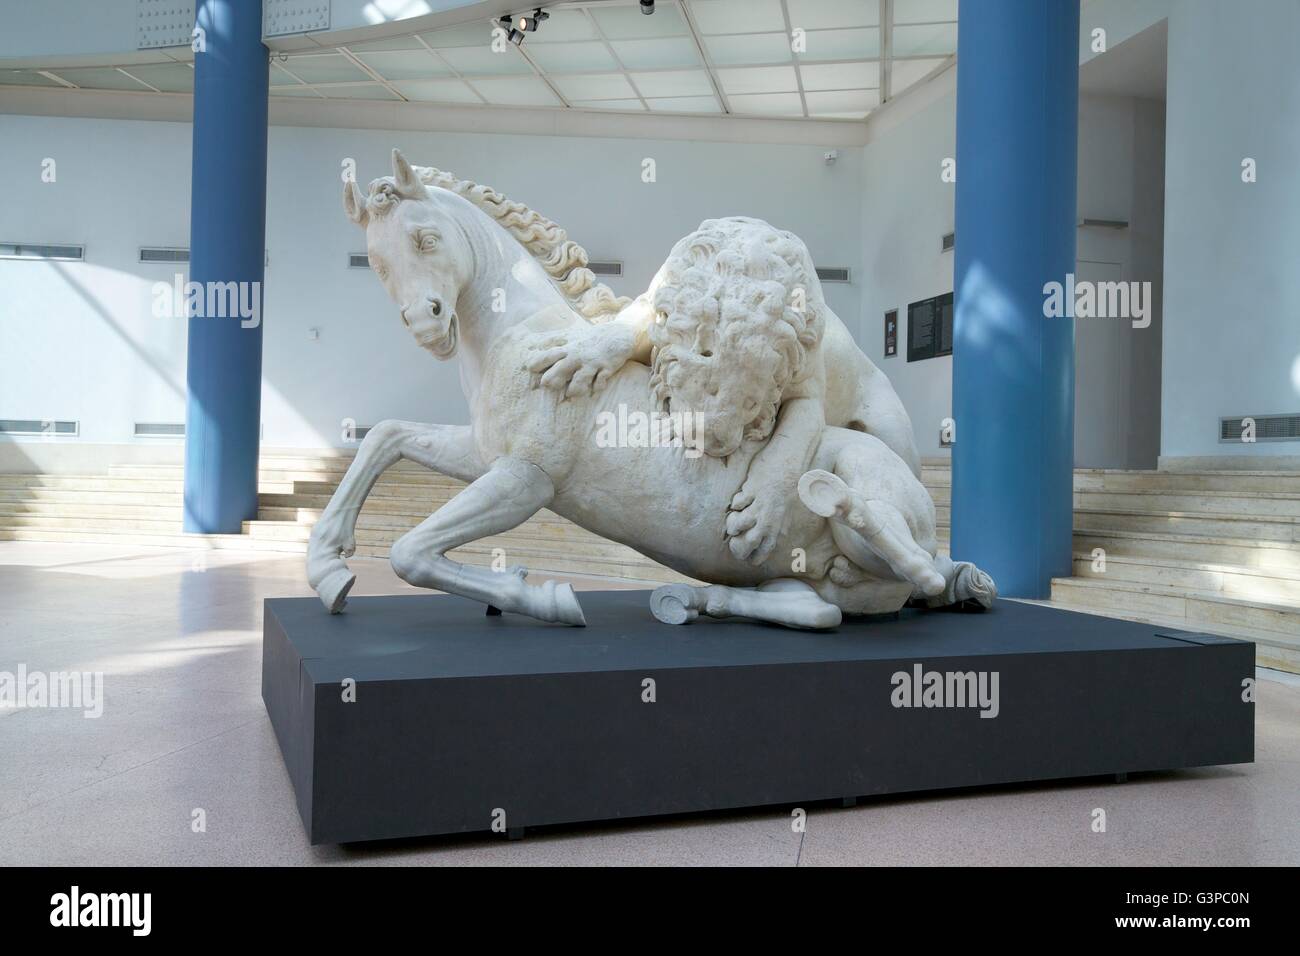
[(737, 279)]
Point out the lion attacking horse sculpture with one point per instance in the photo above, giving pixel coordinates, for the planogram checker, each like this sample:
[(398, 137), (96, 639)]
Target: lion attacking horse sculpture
[(805, 504)]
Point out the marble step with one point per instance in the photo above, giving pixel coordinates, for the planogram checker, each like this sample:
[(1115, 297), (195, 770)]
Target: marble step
[(1093, 479), (555, 534), (1248, 584), (56, 497), (1274, 528), (1249, 503), (1237, 552), (1176, 482), (266, 463), (173, 486), (1268, 651), (168, 523), (476, 554), (235, 542), (140, 508), (1194, 608)]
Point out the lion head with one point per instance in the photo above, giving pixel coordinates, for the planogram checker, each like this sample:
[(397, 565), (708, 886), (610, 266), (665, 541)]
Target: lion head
[(737, 309)]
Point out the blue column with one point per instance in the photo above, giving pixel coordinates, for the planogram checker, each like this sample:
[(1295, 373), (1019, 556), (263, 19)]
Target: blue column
[(1013, 369), (227, 245)]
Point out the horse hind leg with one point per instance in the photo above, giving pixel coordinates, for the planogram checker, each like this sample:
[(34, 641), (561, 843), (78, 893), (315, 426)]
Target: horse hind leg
[(786, 601), (873, 523)]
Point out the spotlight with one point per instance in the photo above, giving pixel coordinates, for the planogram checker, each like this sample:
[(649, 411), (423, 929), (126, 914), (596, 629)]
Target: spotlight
[(528, 24), (519, 26), (647, 7)]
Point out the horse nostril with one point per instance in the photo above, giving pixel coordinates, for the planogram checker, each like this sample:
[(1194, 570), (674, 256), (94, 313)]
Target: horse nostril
[(405, 321), (435, 307)]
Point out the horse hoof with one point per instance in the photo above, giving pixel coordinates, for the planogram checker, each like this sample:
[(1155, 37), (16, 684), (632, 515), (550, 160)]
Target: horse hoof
[(334, 587), (972, 584), (567, 608), (673, 604)]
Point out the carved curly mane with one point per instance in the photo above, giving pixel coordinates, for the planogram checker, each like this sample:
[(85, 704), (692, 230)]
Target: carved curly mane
[(562, 258), (738, 279)]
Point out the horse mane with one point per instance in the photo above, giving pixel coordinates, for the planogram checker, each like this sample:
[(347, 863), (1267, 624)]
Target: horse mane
[(563, 259)]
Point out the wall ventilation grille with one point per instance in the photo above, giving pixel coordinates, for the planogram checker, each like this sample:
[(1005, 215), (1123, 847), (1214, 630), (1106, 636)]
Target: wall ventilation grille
[(606, 268), (19, 426), (949, 239), (833, 273), (284, 17), (163, 254), (160, 23), (32, 250), (358, 260), (1267, 428), (160, 429)]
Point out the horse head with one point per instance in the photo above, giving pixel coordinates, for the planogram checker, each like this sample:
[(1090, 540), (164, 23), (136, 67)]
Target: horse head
[(417, 249)]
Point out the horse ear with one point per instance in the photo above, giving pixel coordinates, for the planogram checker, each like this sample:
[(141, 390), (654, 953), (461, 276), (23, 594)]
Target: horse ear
[(354, 203), (408, 184)]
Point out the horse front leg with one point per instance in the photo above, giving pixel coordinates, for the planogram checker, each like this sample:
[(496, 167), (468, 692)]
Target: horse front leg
[(507, 495), (446, 449)]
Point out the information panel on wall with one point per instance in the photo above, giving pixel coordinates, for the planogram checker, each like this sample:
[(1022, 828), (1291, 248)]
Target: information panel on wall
[(929, 328)]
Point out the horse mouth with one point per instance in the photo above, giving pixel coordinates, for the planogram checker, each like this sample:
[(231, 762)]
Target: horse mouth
[(443, 345)]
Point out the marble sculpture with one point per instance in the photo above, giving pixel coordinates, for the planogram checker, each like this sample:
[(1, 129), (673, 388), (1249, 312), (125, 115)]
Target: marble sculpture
[(779, 466)]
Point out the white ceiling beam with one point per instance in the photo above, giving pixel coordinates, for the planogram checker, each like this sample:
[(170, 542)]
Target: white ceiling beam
[(427, 117), (709, 67), (886, 49), (798, 73)]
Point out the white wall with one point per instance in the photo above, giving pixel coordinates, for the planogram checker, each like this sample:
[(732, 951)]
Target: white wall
[(1117, 366), (1232, 249), (907, 208), (77, 340)]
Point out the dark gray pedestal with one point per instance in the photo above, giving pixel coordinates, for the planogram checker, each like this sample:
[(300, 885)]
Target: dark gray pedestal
[(459, 716)]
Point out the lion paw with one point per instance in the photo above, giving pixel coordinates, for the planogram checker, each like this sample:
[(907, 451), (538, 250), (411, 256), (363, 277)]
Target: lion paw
[(754, 523), (577, 363)]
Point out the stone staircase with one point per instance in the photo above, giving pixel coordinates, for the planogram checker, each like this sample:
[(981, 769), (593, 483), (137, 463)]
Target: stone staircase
[(1211, 551), (142, 504), (1214, 551)]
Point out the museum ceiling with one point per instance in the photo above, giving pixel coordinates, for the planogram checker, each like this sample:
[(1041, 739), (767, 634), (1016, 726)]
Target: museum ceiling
[(816, 59)]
